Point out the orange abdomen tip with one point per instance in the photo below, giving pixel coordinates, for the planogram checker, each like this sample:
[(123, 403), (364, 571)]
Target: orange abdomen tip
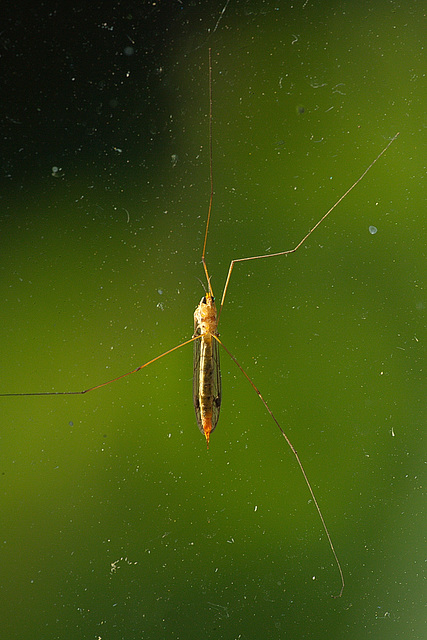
[(207, 431)]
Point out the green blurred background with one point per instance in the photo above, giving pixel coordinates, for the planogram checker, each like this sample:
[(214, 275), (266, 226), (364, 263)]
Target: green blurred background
[(115, 522)]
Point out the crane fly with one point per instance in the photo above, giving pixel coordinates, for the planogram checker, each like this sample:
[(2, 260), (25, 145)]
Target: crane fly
[(207, 376)]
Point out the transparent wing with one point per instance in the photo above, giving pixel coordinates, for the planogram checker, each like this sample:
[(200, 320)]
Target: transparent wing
[(215, 385)]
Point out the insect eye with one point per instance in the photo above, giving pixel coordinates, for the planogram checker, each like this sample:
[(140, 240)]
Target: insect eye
[(204, 300)]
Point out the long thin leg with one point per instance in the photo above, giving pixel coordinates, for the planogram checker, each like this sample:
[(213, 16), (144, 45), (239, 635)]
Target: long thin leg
[(299, 463), (104, 384), (283, 253), (210, 176)]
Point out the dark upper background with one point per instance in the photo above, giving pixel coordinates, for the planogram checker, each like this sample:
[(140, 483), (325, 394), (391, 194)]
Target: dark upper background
[(76, 77)]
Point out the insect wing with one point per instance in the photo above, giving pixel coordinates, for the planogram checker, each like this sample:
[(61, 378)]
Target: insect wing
[(216, 383)]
